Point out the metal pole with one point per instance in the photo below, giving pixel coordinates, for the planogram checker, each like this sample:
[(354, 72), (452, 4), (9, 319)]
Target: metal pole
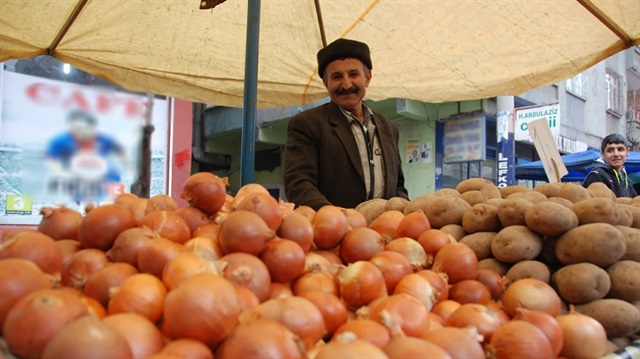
[(249, 110)]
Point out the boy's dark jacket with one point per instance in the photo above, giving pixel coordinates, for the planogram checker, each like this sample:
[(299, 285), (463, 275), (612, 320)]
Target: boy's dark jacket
[(620, 184)]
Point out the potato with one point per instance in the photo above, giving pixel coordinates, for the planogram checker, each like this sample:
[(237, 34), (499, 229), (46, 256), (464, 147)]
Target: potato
[(531, 196), (372, 208), (548, 254), (511, 211), (477, 190), (635, 200), (396, 204), (480, 243), (597, 210), (419, 203), (494, 201), (481, 218), (447, 192), (445, 210), (625, 280), (619, 318), (635, 214), (563, 201), (625, 217), (599, 189), (454, 230), (549, 189), (581, 283), (529, 269), (473, 197), (599, 243), (506, 191), (574, 192), (516, 243), (495, 265), (632, 240), (624, 200), (473, 184), (550, 218)]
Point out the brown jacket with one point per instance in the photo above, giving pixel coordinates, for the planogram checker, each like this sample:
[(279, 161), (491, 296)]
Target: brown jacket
[(322, 163)]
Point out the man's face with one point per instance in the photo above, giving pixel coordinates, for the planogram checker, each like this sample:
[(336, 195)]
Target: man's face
[(615, 154), (81, 129), (347, 81)]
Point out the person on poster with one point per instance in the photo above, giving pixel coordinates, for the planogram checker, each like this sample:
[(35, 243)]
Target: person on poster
[(342, 153), (609, 169)]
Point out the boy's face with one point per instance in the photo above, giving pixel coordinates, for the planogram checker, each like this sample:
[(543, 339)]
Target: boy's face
[(615, 154)]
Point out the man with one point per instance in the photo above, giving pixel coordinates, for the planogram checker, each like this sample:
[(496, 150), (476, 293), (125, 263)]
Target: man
[(342, 153), (609, 169)]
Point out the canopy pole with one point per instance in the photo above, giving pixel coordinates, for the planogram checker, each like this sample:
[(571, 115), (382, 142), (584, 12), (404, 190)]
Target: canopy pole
[(607, 21), (67, 25), (249, 110), (320, 23)]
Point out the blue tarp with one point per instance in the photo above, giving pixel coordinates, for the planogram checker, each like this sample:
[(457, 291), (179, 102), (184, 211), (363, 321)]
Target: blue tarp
[(578, 164)]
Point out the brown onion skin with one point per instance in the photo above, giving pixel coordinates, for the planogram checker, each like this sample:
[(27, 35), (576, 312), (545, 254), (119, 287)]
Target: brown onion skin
[(496, 283), (246, 299), (333, 310), (366, 329), (411, 249), (81, 266), (307, 212), (20, 277), (284, 259), (140, 293), (410, 347), (128, 244), (387, 224), (246, 270), (60, 223), (193, 216), (34, 246), (470, 291), (140, 208), (277, 290), (260, 338), (413, 225), (458, 342), (244, 231), (143, 337), (68, 248), (264, 205), (209, 230), (111, 275), (445, 308), (350, 348), (101, 226), (486, 319), (583, 336), (164, 202), (329, 226), (438, 281), (355, 219), (393, 265), (530, 293), (186, 265), (186, 348), (204, 191), (38, 317), (404, 311), (360, 283), (519, 339), (432, 240), (84, 338), (156, 253), (205, 247), (168, 225), (360, 244), (457, 261), (545, 322), (122, 200), (296, 227)]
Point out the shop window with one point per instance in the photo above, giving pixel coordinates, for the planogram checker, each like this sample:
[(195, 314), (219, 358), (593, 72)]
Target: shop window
[(614, 92), (577, 85)]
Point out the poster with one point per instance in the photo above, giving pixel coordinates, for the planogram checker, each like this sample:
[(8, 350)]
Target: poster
[(418, 151), (67, 144), (464, 140)]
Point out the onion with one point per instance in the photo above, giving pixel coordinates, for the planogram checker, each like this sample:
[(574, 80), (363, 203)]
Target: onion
[(164, 202), (435, 322), (314, 261), (143, 337), (355, 219), (297, 228), (168, 225), (100, 227), (411, 249), (186, 348), (155, 254), (193, 216), (492, 280), (408, 347), (122, 200), (333, 310), (140, 208), (279, 290), (387, 224), (583, 336), (367, 330), (316, 280), (458, 342), (86, 337), (186, 265), (32, 245), (111, 275), (60, 223), (128, 244), (246, 270), (545, 322), (298, 314), (432, 240), (260, 338), (519, 339), (20, 277), (360, 283), (248, 189), (347, 345), (469, 291), (402, 311), (262, 204), (205, 191), (413, 225), (457, 261), (93, 306), (81, 266), (209, 230), (246, 299), (244, 231), (329, 226), (68, 248), (445, 308), (284, 259), (331, 256), (418, 287), (486, 319), (203, 307), (360, 244), (307, 212), (530, 293), (142, 294), (205, 247), (439, 283), (36, 318), (393, 266)]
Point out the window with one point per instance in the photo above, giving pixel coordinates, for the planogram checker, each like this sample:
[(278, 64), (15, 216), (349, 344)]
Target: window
[(576, 85), (614, 92)]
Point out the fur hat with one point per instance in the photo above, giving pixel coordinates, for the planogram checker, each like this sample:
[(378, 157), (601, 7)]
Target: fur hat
[(342, 49)]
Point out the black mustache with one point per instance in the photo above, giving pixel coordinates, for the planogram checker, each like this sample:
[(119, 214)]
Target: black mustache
[(347, 91)]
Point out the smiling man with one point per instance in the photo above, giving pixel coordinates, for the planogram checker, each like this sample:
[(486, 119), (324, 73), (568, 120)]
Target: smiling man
[(342, 153), (609, 169)]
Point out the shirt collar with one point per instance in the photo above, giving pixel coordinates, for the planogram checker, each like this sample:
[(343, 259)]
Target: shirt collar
[(368, 114)]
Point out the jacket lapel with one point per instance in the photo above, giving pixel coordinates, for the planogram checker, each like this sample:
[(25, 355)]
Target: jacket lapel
[(342, 129), (386, 145)]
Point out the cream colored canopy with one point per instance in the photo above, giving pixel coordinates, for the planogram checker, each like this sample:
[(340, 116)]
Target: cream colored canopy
[(428, 50)]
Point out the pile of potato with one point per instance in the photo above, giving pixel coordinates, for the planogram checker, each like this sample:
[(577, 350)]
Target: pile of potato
[(584, 242)]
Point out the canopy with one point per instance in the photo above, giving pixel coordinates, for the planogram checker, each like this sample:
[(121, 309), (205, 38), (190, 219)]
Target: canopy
[(427, 50), (578, 164)]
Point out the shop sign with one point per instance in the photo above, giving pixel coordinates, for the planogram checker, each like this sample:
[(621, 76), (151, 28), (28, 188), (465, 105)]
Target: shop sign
[(525, 115), (464, 140)]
